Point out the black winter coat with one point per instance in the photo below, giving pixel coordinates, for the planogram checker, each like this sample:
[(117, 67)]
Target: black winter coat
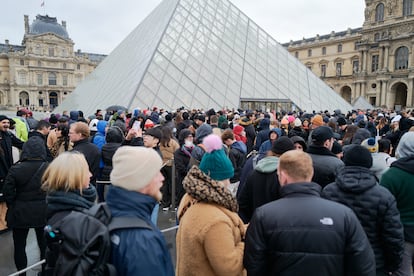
[(376, 209), (25, 199), (7, 140), (181, 161), (325, 164), (49, 156), (261, 187), (250, 135), (237, 155), (107, 152), (92, 155), (303, 234)]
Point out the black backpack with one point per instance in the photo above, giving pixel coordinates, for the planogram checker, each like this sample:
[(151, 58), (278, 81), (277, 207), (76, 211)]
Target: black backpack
[(79, 243)]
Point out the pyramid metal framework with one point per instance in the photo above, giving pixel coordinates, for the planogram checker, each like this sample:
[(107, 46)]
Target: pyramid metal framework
[(200, 54)]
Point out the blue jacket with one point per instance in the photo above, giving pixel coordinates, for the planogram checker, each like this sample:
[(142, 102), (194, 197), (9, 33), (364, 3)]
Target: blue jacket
[(99, 138), (137, 251)]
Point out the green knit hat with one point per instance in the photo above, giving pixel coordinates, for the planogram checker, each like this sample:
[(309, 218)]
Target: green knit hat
[(217, 165), (215, 162)]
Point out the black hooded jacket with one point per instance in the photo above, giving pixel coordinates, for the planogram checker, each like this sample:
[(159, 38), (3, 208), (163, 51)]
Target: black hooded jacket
[(22, 192), (376, 209)]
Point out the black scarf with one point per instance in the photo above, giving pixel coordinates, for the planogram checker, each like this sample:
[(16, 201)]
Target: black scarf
[(59, 201)]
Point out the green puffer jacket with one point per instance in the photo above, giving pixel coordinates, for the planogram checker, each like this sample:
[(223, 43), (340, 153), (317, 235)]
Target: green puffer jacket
[(399, 180)]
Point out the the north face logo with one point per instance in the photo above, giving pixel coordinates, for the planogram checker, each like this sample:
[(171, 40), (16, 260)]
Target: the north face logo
[(326, 221)]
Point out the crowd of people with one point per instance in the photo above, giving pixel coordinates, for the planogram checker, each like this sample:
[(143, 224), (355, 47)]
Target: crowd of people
[(266, 193)]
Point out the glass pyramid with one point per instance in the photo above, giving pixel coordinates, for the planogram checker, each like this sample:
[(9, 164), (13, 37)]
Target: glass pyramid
[(200, 54)]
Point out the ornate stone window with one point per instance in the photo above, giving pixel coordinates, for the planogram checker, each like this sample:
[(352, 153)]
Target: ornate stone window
[(401, 58), (338, 69), (39, 79), (379, 12), (309, 52), (22, 77), (407, 7), (323, 50), (52, 79), (339, 48), (374, 63), (355, 66), (323, 70), (51, 52)]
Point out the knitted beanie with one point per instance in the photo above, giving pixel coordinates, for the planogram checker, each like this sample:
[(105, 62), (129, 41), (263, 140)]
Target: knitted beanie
[(405, 147), (341, 121), (297, 122), (371, 144), (3, 117), (134, 167), (317, 120), (357, 155), (215, 162), (282, 144)]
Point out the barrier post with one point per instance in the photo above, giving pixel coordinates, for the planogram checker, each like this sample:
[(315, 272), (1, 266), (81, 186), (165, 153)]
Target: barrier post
[(173, 192)]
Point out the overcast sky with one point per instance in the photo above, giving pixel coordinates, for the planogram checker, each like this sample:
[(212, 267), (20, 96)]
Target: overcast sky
[(98, 26)]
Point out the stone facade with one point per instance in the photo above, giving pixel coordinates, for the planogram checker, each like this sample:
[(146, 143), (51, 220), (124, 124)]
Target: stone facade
[(375, 61), (41, 72)]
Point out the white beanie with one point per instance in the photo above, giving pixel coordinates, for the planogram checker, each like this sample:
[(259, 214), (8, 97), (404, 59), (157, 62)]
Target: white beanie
[(134, 167)]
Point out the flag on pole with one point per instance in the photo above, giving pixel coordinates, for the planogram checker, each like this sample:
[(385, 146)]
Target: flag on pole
[(42, 4)]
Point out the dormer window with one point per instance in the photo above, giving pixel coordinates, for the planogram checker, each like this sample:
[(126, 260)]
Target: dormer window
[(379, 13)]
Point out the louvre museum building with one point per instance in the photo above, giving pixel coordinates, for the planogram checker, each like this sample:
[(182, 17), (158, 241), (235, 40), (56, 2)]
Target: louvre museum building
[(45, 69), (375, 61)]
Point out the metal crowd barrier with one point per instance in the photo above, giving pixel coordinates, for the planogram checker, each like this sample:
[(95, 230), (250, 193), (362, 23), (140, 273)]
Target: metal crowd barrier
[(173, 195), (43, 261)]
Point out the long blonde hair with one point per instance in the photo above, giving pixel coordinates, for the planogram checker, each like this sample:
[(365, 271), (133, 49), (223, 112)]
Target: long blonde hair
[(67, 172)]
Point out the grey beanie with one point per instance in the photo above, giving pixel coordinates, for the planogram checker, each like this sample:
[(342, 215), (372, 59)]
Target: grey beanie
[(405, 147)]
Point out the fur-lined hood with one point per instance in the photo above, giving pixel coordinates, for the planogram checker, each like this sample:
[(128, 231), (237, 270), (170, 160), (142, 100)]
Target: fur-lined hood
[(204, 189)]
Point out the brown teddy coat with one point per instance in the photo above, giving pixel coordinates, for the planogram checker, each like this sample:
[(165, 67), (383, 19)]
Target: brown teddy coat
[(209, 240)]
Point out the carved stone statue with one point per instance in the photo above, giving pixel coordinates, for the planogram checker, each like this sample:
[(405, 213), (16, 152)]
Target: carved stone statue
[(391, 5), (368, 11)]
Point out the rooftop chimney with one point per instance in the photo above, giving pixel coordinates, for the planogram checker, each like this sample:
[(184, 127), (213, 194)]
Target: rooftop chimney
[(26, 24), (6, 42)]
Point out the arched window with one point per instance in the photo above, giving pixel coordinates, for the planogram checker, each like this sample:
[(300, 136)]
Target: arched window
[(376, 37), (401, 58), (379, 13), (52, 79), (407, 7)]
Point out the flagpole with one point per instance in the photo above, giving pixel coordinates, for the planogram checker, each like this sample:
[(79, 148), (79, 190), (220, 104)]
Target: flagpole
[(42, 4)]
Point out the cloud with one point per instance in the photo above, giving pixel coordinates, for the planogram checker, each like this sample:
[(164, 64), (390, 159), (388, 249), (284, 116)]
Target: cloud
[(99, 26)]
